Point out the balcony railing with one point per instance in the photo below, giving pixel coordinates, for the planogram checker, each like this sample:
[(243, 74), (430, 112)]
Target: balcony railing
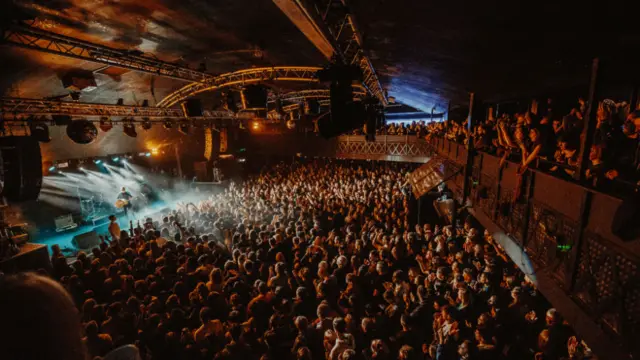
[(563, 229), (386, 147)]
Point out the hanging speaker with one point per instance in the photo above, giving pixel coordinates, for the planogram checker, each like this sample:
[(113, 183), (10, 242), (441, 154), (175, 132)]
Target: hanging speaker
[(230, 102), (312, 107), (278, 106), (254, 97), (193, 108), (22, 168), (82, 131)]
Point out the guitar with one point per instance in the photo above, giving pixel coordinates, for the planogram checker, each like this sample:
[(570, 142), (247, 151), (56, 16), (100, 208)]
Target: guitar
[(120, 203)]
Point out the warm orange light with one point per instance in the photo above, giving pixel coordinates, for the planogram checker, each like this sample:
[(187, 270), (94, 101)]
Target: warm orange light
[(255, 125), (155, 151)]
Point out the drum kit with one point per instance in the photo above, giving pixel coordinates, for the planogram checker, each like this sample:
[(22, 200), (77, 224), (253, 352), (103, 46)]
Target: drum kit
[(93, 205)]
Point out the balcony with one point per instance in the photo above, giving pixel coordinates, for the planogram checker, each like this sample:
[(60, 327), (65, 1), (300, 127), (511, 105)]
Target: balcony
[(386, 148), (557, 232)]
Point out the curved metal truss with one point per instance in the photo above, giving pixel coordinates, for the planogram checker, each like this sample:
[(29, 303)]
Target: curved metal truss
[(36, 107), (241, 77), (321, 94), (34, 38), (331, 27)]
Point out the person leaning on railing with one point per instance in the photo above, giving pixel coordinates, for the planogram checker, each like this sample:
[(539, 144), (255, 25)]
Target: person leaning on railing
[(626, 164)]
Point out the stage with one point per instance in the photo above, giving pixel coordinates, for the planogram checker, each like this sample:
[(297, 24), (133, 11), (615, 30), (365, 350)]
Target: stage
[(193, 192), (64, 239)]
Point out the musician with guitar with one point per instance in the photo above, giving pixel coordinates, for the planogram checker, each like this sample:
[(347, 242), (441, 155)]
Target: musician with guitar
[(124, 201)]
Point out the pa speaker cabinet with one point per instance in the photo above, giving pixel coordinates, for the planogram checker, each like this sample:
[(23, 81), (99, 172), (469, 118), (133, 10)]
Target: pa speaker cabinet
[(86, 241), (21, 168)]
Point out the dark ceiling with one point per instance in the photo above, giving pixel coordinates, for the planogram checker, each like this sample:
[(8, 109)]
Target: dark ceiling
[(226, 35), (443, 49), (428, 53)]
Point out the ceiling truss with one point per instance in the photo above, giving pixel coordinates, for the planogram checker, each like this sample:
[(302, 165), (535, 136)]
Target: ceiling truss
[(348, 42), (330, 26), (18, 107), (322, 94), (242, 77), (34, 38), (30, 36)]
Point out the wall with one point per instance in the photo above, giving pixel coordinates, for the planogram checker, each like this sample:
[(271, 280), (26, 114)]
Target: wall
[(116, 142)]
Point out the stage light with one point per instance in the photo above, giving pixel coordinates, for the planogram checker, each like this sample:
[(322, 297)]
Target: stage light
[(97, 161), (82, 131), (40, 132), (168, 124), (129, 129), (255, 125), (146, 124), (116, 159), (291, 124), (105, 124), (81, 168), (53, 168), (153, 152)]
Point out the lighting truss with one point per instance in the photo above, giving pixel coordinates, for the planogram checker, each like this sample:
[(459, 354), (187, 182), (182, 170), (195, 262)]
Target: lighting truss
[(321, 94), (37, 107), (242, 77), (31, 37), (291, 107), (348, 42)]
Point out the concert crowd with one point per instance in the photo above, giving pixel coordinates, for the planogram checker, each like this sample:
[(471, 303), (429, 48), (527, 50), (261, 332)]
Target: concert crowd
[(550, 139), (314, 260)]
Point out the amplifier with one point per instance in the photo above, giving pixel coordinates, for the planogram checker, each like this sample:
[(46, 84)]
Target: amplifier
[(64, 223)]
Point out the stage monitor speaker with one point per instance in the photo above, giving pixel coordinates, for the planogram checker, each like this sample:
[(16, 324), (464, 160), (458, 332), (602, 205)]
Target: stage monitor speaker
[(22, 168), (192, 108), (86, 241)]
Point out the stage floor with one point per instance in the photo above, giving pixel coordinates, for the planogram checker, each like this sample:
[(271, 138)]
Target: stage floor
[(50, 237)]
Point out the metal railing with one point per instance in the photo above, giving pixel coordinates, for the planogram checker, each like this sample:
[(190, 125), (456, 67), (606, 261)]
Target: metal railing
[(563, 228)]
